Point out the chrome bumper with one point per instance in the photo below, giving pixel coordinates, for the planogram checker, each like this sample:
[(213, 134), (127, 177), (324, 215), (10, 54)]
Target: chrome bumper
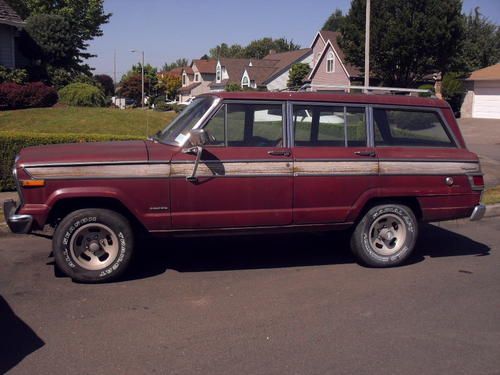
[(478, 212), (16, 223)]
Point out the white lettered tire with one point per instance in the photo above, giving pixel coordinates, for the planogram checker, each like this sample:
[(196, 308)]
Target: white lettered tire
[(385, 236), (93, 245)]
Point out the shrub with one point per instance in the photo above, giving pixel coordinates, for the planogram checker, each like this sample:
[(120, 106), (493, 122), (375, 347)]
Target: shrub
[(429, 87), (31, 95), (18, 76), (82, 95), (11, 144), (453, 90)]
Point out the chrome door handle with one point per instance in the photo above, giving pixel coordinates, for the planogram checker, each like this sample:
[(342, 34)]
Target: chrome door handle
[(279, 153), (365, 153)]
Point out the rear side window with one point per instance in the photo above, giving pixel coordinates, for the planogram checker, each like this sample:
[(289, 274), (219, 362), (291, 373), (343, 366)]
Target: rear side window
[(397, 127), (329, 126)]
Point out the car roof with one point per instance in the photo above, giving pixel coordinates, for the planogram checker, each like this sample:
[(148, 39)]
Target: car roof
[(377, 99)]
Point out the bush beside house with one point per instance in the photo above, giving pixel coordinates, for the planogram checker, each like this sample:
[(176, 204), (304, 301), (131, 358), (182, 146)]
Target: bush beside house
[(31, 95)]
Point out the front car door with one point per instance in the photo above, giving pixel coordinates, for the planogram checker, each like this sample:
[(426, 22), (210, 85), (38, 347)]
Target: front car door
[(334, 167), (244, 178)]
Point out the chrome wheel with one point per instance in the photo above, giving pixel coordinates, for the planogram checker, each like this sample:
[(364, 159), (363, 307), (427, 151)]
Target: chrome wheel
[(387, 234), (94, 246)]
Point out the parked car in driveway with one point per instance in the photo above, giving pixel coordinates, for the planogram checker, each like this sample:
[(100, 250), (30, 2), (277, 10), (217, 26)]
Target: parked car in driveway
[(250, 163)]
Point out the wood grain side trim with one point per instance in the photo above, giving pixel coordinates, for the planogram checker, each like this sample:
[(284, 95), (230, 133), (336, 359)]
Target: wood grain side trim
[(427, 168), (101, 171), (233, 169), (303, 168)]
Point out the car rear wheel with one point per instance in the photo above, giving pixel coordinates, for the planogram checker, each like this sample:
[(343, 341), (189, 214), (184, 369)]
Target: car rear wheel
[(385, 236), (93, 245)]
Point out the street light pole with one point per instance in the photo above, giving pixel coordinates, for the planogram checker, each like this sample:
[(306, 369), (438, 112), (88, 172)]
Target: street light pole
[(367, 46), (142, 77)]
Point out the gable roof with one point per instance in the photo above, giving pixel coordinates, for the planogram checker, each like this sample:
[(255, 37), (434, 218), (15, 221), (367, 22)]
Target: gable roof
[(8, 16), (205, 66), (489, 73), (284, 60), (331, 40), (188, 70)]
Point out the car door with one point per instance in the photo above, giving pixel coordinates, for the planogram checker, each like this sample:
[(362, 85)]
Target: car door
[(334, 167), (244, 178)]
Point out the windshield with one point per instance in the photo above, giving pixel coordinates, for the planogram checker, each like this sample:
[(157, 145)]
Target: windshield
[(178, 130)]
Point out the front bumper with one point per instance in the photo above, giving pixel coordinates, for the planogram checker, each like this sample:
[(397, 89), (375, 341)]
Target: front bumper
[(17, 223), (478, 212)]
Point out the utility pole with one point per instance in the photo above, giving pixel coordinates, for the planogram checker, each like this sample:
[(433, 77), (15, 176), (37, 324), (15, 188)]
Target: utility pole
[(367, 46), (114, 69), (142, 76)]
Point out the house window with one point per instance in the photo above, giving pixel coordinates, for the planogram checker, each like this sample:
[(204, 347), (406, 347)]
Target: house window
[(183, 79), (218, 74), (197, 77), (245, 82), (330, 63)]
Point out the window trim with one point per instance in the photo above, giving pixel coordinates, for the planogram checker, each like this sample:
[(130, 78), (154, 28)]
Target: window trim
[(449, 132), (284, 121)]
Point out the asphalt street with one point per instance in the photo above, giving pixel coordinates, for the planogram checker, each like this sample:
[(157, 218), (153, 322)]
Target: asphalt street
[(287, 304)]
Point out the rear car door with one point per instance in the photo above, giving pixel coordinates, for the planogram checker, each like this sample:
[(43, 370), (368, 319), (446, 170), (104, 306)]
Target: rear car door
[(245, 176), (333, 165)]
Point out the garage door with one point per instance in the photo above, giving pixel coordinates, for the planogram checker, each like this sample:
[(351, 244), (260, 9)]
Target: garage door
[(486, 100)]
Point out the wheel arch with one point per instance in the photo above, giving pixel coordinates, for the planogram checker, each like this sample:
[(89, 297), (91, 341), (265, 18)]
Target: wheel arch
[(411, 202)]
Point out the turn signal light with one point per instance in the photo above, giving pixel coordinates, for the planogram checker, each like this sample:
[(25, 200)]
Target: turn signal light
[(32, 183)]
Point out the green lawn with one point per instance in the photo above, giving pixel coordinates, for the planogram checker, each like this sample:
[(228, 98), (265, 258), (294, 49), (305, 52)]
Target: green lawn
[(76, 120)]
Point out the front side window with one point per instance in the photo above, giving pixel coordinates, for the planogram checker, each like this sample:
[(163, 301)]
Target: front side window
[(329, 126), (178, 130), (399, 127), (247, 125)]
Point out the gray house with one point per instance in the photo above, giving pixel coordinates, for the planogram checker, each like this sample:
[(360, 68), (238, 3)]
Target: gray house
[(10, 24)]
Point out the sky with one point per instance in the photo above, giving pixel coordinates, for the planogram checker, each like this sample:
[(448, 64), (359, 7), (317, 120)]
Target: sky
[(169, 29)]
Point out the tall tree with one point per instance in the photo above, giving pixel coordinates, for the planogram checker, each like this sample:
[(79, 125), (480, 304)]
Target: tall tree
[(482, 42), (335, 21), (409, 38), (179, 63), (256, 49), (106, 83), (150, 77)]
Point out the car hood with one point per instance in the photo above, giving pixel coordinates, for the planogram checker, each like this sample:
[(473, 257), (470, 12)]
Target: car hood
[(87, 152)]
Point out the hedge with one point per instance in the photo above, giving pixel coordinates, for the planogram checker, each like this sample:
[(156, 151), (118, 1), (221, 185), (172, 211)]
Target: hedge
[(11, 144), (31, 95)]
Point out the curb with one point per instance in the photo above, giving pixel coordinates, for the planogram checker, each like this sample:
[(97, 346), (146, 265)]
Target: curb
[(492, 210)]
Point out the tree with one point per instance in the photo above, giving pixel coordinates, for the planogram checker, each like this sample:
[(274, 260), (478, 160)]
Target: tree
[(335, 21), (150, 76), (170, 84), (106, 83), (256, 49), (179, 63), (482, 42), (131, 87), (298, 74), (409, 39)]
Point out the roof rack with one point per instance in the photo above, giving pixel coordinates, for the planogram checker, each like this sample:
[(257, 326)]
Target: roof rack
[(366, 89)]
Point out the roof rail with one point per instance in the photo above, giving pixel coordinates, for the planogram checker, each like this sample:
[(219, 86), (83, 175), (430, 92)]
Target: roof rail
[(366, 89)]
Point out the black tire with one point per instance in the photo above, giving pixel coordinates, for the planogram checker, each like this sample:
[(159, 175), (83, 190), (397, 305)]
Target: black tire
[(93, 245), (385, 236)]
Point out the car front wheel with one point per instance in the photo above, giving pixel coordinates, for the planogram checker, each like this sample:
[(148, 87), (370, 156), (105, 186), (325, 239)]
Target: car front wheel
[(93, 245), (385, 236)]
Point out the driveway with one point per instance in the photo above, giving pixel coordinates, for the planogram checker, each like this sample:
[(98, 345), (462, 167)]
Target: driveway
[(483, 137), (263, 305)]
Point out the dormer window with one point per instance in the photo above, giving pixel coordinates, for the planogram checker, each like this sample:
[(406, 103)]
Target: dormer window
[(245, 82), (218, 74), (184, 79), (330, 63), (197, 77)]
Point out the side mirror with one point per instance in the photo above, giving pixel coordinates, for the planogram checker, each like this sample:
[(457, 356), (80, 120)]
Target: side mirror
[(198, 137)]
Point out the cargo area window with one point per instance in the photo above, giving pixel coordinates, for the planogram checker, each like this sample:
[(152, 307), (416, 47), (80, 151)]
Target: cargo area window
[(329, 126), (400, 127)]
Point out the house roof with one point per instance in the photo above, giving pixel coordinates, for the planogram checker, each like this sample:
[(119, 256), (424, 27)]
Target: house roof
[(260, 74), (188, 70), (177, 72), (8, 16), (234, 68), (284, 60), (331, 39), (489, 73), (205, 66)]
